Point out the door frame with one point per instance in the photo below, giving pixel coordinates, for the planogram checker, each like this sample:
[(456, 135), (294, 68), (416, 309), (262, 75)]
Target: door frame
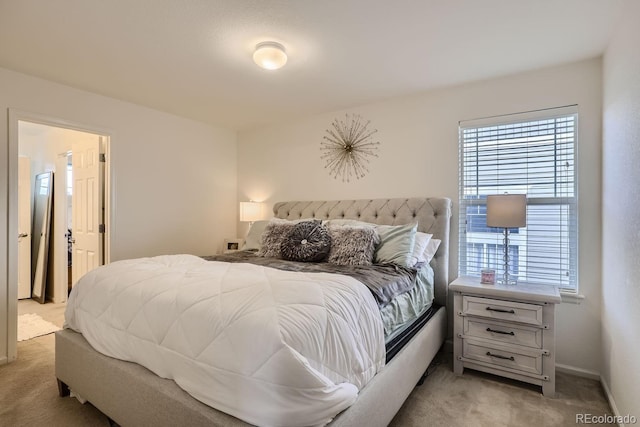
[(12, 253), (25, 162)]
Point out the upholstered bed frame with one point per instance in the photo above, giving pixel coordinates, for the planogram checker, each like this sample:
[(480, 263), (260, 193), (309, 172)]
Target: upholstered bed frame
[(131, 395)]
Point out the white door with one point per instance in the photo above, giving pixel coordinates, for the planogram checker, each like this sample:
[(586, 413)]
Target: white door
[(24, 227), (59, 230), (86, 207)]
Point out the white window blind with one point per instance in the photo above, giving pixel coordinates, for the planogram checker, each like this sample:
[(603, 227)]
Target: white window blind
[(530, 153)]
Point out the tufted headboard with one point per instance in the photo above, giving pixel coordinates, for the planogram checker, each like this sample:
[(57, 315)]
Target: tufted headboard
[(432, 214)]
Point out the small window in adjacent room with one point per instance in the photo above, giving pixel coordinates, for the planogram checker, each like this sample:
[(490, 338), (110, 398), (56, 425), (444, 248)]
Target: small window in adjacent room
[(528, 153), (69, 180)]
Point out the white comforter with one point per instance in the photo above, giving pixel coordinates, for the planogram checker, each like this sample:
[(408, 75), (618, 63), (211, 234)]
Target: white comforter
[(270, 347)]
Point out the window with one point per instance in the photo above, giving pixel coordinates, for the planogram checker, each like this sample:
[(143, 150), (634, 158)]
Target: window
[(530, 153), (69, 180)]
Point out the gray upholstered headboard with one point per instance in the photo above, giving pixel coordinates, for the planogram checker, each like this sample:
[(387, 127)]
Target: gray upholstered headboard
[(432, 214)]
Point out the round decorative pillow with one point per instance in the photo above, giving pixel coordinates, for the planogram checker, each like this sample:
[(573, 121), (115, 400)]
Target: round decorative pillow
[(307, 241)]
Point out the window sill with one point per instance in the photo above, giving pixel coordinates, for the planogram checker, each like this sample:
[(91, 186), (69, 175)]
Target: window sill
[(571, 297)]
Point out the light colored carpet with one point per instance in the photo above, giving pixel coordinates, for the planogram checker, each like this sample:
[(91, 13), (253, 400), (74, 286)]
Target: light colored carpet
[(31, 325), (479, 399), (29, 395), (29, 392)]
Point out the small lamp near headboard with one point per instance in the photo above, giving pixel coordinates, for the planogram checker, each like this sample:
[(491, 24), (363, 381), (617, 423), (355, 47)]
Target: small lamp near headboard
[(507, 211), (251, 211)]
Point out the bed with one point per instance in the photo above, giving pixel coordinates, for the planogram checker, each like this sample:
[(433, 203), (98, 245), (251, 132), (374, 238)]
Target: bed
[(129, 394)]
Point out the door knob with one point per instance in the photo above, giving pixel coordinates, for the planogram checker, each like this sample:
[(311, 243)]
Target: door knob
[(22, 235)]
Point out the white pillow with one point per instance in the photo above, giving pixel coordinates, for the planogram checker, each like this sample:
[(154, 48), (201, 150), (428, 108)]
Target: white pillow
[(252, 241), (431, 249), (419, 246)]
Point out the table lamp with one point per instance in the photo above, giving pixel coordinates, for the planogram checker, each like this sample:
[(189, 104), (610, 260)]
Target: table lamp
[(251, 211), (507, 211)]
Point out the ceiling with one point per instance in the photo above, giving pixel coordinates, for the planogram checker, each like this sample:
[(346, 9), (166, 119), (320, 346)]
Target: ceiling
[(193, 57)]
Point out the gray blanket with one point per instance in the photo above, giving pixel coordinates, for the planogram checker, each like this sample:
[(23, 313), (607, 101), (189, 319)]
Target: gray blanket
[(385, 281)]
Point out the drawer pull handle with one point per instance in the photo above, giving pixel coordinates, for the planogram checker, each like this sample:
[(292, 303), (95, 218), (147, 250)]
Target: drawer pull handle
[(499, 310), (501, 357), (500, 332)]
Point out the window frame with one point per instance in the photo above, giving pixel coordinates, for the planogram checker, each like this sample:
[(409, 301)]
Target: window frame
[(570, 201)]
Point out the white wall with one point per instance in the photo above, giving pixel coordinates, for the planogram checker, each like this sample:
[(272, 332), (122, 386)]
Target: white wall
[(621, 216), (418, 156), (174, 179)]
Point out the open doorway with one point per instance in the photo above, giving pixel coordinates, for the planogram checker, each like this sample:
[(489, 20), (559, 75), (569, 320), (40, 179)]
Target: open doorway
[(66, 193), (61, 210)]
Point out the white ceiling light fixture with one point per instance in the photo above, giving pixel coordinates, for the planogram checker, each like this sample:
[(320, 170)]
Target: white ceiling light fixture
[(270, 55)]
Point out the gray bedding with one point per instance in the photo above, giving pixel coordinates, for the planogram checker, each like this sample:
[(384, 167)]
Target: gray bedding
[(385, 281)]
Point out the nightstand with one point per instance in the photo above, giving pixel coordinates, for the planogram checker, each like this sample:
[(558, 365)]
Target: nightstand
[(506, 330)]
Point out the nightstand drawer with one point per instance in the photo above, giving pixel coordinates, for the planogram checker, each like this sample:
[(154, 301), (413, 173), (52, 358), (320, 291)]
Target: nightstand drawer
[(515, 358), (503, 332), (502, 310)]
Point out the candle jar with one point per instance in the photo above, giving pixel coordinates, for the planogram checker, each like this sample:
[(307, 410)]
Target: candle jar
[(488, 276)]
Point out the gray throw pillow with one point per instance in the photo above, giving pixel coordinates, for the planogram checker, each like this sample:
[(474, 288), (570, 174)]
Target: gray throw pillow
[(352, 245), (307, 241), (273, 235)]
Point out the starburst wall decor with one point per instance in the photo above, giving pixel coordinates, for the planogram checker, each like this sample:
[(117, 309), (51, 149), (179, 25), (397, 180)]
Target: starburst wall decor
[(348, 147)]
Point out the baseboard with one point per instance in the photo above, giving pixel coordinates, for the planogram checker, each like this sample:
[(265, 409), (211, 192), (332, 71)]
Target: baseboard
[(578, 372), (3, 360), (612, 402), (609, 396)]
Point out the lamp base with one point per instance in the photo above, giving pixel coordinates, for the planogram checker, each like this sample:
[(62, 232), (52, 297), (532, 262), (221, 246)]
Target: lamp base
[(508, 279)]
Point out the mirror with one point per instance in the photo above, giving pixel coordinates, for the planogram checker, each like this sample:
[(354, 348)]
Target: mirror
[(40, 234)]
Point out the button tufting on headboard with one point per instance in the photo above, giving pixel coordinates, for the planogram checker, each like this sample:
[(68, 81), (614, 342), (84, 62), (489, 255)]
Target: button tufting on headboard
[(432, 215)]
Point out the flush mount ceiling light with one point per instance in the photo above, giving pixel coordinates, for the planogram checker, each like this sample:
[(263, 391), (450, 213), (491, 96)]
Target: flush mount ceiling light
[(270, 55)]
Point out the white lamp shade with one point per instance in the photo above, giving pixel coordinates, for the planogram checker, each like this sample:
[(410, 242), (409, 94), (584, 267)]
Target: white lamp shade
[(270, 55), (507, 210), (251, 211)]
